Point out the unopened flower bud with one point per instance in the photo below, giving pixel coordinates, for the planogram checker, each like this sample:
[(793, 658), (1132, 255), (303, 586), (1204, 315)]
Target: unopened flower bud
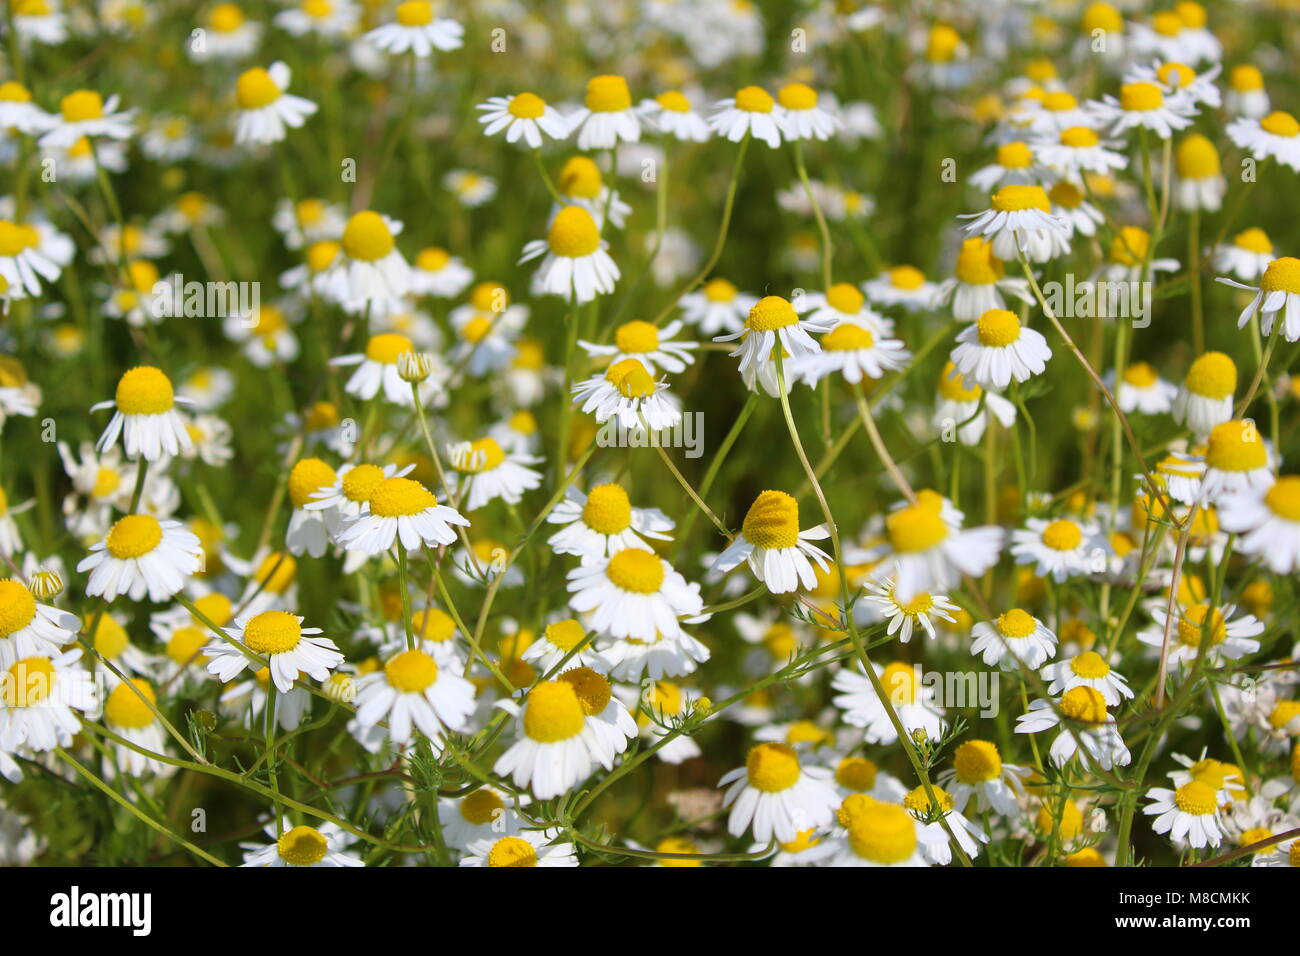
[(414, 367), (45, 585)]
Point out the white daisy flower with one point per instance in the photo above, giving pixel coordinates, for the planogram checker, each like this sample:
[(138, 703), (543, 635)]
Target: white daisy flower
[(800, 116), (326, 18), (634, 594), (556, 645), (904, 286), (413, 692), (416, 30), (40, 694), (773, 323), (351, 488), (265, 109), (1246, 95), (289, 648), (876, 834), (854, 349), (481, 814), (127, 715), (1070, 206), (913, 701), (308, 221), (652, 346), (1145, 106), (1141, 389), (664, 655), (575, 263), (1230, 637), (523, 848), (86, 113), (1247, 256), (437, 272), (18, 112), (904, 616), (1078, 150), (628, 392), (23, 262), (978, 283), (1268, 521), (523, 116), (1090, 726), (1088, 669), (1019, 219), (400, 509), (777, 551), (978, 772), (141, 555), (490, 473), (1013, 640), (671, 113), (1278, 296), (775, 797), (1061, 547), (29, 628), (935, 842), (1190, 813), (1015, 163), (751, 111), (603, 522), (309, 529), (718, 307), (929, 550), (998, 350), (378, 369), (607, 116), (1237, 459), (1205, 398), (372, 272), (1174, 77), (1276, 135), (303, 846)]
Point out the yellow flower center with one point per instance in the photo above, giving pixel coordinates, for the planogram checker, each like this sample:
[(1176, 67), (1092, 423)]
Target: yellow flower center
[(302, 846), (1175, 74), (573, 234), (915, 528), (255, 89), (976, 264), (977, 761), (636, 336), (1282, 275), (1066, 195), (900, 682), (918, 801), (387, 347), (848, 337), (907, 278), (856, 773), (481, 807), (592, 689), (144, 390), (13, 92), (1015, 155), (845, 297), (1090, 666), (360, 482), (1283, 499), (1078, 137), (1059, 101), (673, 101), (1017, 198), (125, 708), (320, 255), (1254, 240), (1016, 624), (1129, 248), (580, 177), (226, 18), (608, 94), (1280, 123), (273, 632), (797, 96), (1246, 79), (553, 712), (411, 672), (1062, 535), (133, 536), (883, 833), (942, 44), (998, 328), (1236, 446), (81, 105), (1196, 798), (1084, 704), (512, 851), (719, 290), (608, 510), (1255, 835), (772, 768), (485, 454), (1140, 375), (565, 634), (367, 237), (1283, 713), (1213, 375), (307, 476), (28, 682), (780, 641), (400, 497), (1192, 625), (640, 572), (110, 637), (1140, 97), (432, 259), (185, 644), (754, 99), (771, 313), (415, 13), (772, 521), (1102, 16), (1065, 818), (17, 606), (433, 624)]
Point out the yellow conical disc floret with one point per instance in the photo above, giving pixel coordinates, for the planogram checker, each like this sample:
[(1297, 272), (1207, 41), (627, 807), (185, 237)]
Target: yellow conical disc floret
[(977, 761), (125, 708), (133, 536), (772, 768), (608, 94), (306, 476), (553, 712), (411, 672), (1213, 375), (17, 606), (608, 510), (367, 237), (273, 632), (1084, 704), (302, 846), (771, 313), (573, 233), (1282, 275), (144, 390), (883, 833), (1236, 446), (772, 521), (641, 572), (255, 89)]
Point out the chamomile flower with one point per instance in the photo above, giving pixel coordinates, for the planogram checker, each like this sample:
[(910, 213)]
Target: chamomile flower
[(902, 286), (413, 692), (634, 594), (1015, 163), (752, 111), (400, 509), (922, 609), (801, 117), (998, 350), (325, 18), (1013, 640), (774, 323), (855, 349), (575, 263), (1246, 95), (652, 346), (40, 694), (488, 326), (1237, 459), (671, 113), (523, 116), (1141, 389), (628, 393), (289, 648), (351, 487), (1174, 77), (1276, 135), (843, 302), (1268, 521), (1089, 727), (492, 473), (1190, 813), (978, 283), (1019, 219), (928, 550), (1077, 150), (935, 842), (1088, 669), (417, 30), (127, 714), (471, 189), (1205, 398), (308, 221), (559, 642), (718, 307), (303, 846), (913, 701), (1229, 637), (1286, 853), (378, 369), (265, 109), (603, 522), (1247, 256), (437, 272), (23, 263), (557, 748), (480, 814), (371, 272), (141, 555), (580, 183), (84, 113), (30, 628), (777, 551), (876, 834), (1070, 206), (607, 116), (1277, 297), (1061, 547), (308, 529), (979, 772), (1143, 105), (776, 797), (522, 848)]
